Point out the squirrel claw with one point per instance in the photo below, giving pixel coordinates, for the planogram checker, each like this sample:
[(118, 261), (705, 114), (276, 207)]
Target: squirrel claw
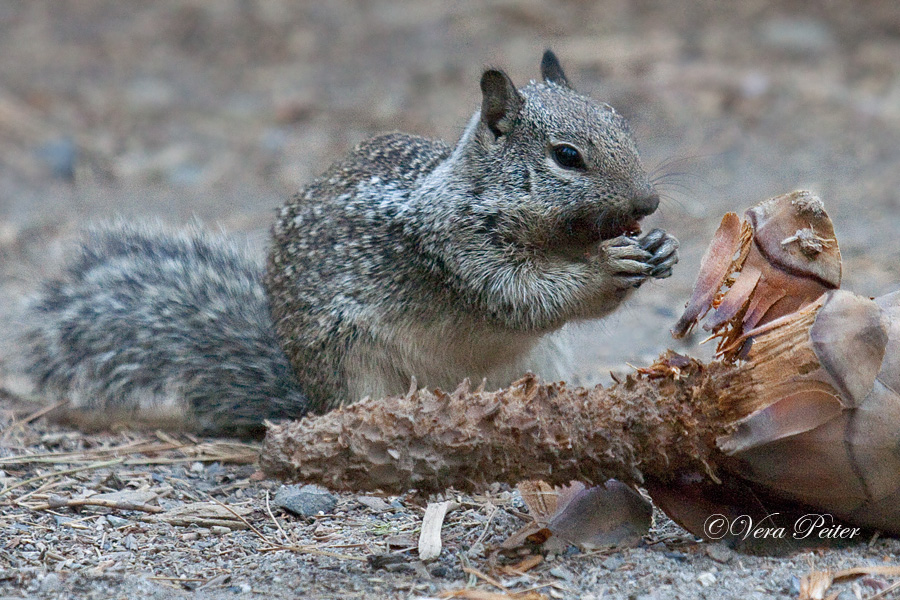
[(664, 250), (635, 260)]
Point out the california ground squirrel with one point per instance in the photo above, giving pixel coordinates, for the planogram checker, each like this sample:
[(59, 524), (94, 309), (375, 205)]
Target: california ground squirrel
[(406, 259)]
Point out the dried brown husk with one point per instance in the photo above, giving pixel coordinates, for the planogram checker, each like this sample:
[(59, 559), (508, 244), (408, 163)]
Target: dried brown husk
[(812, 399), (780, 258), (602, 516), (823, 422)]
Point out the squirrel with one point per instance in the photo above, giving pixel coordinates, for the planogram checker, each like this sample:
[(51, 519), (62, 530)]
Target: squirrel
[(407, 261)]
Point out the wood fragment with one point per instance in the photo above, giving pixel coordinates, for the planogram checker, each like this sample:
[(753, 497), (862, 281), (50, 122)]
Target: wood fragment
[(432, 522), (484, 577), (523, 566), (815, 584)]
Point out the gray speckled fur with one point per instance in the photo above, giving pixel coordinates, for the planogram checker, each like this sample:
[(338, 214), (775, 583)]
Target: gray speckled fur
[(155, 324), (406, 259), (412, 259)]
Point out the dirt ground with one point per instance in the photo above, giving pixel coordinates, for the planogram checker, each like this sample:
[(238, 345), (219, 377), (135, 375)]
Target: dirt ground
[(181, 109)]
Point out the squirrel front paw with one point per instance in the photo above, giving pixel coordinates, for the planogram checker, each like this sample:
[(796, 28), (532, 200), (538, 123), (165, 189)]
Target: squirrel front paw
[(664, 252), (634, 260)]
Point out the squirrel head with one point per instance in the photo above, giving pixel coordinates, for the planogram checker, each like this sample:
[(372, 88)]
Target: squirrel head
[(573, 159)]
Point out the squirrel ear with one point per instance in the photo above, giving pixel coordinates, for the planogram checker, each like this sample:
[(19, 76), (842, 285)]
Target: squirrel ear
[(500, 103), (552, 71)]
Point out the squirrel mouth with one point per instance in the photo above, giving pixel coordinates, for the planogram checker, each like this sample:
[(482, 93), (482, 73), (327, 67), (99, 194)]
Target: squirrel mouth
[(632, 228), (579, 237)]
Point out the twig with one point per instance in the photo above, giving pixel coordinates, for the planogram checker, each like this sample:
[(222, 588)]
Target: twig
[(97, 465), (274, 520), (74, 457), (59, 502), (315, 551), (894, 586), (218, 580), (273, 546), (484, 577), (487, 526), (238, 453), (261, 535), (32, 417)]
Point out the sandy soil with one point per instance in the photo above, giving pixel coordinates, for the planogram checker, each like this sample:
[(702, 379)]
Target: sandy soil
[(180, 108)]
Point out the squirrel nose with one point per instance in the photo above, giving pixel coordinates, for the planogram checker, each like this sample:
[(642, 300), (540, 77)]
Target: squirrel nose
[(645, 204)]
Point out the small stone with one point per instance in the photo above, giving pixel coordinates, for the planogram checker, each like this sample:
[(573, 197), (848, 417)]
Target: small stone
[(185, 174), (562, 573), (421, 570), (117, 521), (663, 592), (197, 467), (219, 530), (402, 541), (305, 501), (403, 567), (613, 562), (720, 553), (148, 94), (798, 35), (374, 503), (193, 536), (793, 586), (50, 583), (60, 155), (439, 571), (706, 579)]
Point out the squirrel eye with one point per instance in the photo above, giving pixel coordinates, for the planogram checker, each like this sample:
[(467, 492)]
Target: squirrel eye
[(568, 157)]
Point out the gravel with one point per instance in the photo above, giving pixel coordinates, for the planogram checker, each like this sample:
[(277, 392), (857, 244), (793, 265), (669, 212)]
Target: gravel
[(220, 111)]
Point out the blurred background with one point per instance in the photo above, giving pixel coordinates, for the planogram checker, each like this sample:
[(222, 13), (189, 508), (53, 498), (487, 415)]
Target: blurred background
[(181, 109)]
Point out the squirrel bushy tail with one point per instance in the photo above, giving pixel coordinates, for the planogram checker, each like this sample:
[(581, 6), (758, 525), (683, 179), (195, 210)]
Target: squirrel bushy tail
[(167, 326)]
